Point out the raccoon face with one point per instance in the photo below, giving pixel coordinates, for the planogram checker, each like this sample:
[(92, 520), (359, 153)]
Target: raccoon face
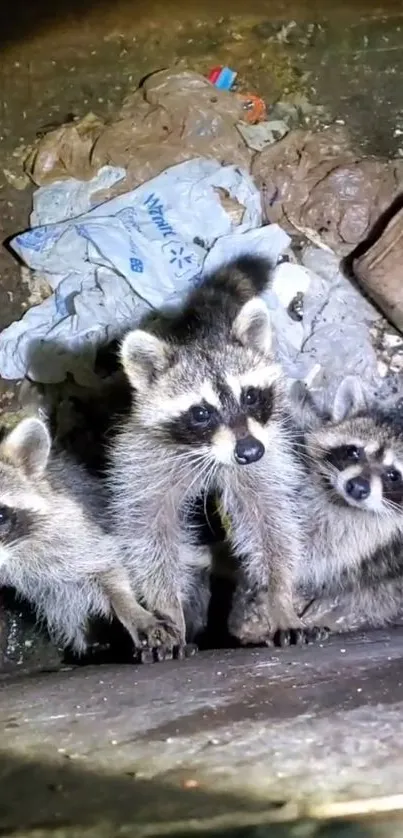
[(360, 464), (24, 454), (217, 398)]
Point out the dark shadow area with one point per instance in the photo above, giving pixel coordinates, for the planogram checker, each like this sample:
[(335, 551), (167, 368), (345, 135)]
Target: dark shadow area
[(46, 796), (26, 18), (82, 419), (347, 264), (62, 798)]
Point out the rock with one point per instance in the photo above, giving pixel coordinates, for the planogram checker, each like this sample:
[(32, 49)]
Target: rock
[(24, 645), (379, 270)]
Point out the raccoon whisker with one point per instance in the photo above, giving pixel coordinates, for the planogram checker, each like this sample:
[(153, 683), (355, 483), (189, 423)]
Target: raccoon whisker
[(391, 507), (195, 467), (304, 457), (205, 472)]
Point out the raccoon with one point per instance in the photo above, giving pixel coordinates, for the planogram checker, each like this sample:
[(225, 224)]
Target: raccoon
[(54, 549), (209, 415), (352, 504)]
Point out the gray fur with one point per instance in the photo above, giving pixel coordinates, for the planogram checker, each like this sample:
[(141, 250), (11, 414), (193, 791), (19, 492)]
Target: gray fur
[(219, 341), (351, 572), (54, 549)]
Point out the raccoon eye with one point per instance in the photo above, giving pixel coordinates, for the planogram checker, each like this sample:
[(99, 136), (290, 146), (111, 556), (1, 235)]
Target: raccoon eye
[(5, 515), (251, 396), (200, 414), (393, 475), (353, 452)]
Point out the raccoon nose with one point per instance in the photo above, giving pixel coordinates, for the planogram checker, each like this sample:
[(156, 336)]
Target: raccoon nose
[(248, 450), (358, 488)]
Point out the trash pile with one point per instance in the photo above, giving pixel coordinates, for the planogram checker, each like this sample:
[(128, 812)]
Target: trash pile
[(128, 214)]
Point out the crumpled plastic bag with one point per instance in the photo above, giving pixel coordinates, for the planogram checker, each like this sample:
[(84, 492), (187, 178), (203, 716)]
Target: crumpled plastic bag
[(65, 152), (110, 264), (173, 117), (114, 261), (336, 327), (315, 183)]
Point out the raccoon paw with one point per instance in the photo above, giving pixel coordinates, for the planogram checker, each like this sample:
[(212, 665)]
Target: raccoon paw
[(157, 654), (162, 640), (158, 631), (300, 636), (252, 633)]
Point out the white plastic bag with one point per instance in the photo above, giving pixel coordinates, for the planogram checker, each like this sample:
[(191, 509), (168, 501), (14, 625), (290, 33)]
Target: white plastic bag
[(109, 264)]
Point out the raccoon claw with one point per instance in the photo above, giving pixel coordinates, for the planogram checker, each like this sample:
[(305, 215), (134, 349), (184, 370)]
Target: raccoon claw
[(188, 650), (156, 654), (300, 636), (161, 632), (317, 633), (161, 640), (144, 656)]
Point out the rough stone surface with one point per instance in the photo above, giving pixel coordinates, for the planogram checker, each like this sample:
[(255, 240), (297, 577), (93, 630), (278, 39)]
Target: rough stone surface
[(222, 739)]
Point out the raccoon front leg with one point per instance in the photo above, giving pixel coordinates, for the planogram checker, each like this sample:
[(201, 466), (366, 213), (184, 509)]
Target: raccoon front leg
[(145, 629), (267, 546), (157, 566)]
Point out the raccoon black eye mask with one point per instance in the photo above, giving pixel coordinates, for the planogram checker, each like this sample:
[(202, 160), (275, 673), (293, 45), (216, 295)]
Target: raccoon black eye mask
[(7, 520), (359, 487), (201, 421), (14, 524)]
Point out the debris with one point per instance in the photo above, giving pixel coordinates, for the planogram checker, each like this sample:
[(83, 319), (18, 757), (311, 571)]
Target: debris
[(336, 320), (258, 136), (253, 106), (65, 152), (316, 181), (222, 77), (290, 280), (18, 181), (174, 116), (110, 264), (163, 195), (379, 270)]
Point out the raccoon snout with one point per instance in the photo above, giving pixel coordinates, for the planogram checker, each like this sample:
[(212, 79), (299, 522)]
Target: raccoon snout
[(248, 450), (358, 488)]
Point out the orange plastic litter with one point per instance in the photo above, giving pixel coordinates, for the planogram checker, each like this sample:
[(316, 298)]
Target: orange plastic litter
[(254, 106)]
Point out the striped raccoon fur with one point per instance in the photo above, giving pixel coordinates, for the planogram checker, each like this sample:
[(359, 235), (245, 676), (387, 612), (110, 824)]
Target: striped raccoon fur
[(352, 505), (53, 547), (209, 415)]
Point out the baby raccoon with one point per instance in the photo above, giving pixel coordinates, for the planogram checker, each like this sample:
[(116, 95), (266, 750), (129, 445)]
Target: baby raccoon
[(53, 551), (353, 503), (209, 415)]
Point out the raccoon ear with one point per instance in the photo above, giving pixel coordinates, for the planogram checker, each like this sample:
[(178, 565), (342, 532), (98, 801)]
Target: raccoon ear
[(141, 355), (28, 446), (349, 398), (252, 326)]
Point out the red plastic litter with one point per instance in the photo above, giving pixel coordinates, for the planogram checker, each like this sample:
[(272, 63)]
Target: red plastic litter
[(214, 74)]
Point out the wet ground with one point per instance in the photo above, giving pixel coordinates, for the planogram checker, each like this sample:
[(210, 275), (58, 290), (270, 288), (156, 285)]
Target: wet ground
[(227, 738)]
